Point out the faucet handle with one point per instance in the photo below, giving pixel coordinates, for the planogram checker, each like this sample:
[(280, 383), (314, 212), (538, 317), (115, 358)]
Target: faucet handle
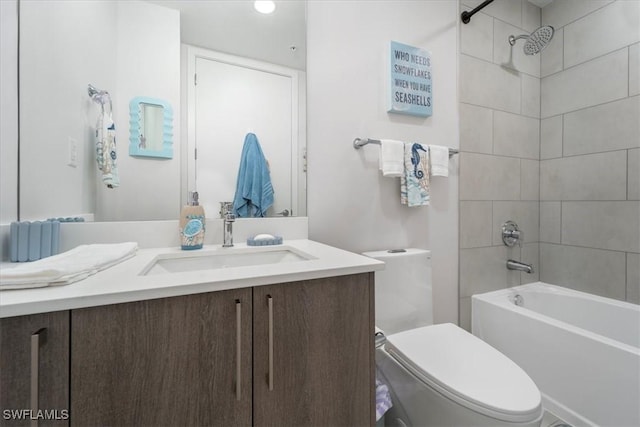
[(511, 234)]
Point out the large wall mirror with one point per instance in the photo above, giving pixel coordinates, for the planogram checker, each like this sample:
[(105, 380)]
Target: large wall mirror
[(137, 49)]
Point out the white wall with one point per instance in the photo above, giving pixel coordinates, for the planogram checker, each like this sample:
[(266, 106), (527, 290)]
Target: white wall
[(9, 112), (148, 64), (58, 59), (127, 48), (350, 205)]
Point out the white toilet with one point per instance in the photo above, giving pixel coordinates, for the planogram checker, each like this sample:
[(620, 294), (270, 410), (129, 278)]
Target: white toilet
[(441, 375)]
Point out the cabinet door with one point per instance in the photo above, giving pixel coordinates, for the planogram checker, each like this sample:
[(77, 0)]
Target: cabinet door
[(171, 361), (34, 369), (313, 355)]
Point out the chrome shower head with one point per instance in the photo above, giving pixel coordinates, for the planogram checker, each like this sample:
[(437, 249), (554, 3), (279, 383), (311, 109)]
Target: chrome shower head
[(535, 41)]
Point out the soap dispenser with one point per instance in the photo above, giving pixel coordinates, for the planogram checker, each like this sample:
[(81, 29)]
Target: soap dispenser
[(192, 223)]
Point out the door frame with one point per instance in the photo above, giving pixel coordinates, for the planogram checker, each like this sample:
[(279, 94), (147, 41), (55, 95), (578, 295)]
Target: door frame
[(190, 54)]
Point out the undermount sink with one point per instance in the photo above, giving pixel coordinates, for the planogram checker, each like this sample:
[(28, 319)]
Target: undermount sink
[(222, 258)]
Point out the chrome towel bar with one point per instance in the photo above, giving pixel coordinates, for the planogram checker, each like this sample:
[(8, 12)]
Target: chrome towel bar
[(361, 142)]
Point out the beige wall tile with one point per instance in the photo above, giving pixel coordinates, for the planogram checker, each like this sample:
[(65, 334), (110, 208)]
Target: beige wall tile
[(515, 135), (600, 80), (485, 269), (634, 69), (485, 177), (633, 278), (595, 271), (633, 179), (551, 137), (477, 39), (551, 57), (530, 255), (488, 85), (529, 179), (476, 129), (475, 224), (465, 314), (560, 13), (590, 177), (603, 225), (530, 96), (531, 16), (607, 29), (606, 127), (550, 221)]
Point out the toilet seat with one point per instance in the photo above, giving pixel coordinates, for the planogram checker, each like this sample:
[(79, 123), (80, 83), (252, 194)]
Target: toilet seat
[(467, 370)]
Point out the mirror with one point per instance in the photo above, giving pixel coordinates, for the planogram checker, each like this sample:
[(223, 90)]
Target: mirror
[(131, 49), (150, 128)]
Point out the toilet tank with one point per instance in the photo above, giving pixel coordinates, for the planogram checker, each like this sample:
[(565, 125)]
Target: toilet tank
[(403, 290)]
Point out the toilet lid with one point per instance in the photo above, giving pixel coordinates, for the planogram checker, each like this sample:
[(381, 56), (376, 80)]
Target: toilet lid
[(467, 370)]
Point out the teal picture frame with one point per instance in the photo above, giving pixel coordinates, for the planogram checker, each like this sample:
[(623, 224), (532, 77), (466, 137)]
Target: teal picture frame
[(146, 112)]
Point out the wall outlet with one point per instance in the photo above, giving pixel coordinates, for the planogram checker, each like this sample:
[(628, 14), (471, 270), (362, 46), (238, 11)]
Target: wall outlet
[(73, 153)]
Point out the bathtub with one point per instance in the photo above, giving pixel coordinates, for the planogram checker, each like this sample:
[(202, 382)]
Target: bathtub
[(582, 350)]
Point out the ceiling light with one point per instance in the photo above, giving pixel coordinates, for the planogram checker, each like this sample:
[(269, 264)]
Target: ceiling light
[(264, 6)]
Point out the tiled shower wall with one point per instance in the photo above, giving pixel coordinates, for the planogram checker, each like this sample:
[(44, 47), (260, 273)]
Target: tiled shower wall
[(500, 147), (551, 141), (590, 148)]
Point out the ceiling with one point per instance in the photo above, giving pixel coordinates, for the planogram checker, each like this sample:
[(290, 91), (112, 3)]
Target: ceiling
[(235, 27)]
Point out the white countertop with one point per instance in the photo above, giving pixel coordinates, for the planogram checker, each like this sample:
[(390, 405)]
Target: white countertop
[(124, 282)]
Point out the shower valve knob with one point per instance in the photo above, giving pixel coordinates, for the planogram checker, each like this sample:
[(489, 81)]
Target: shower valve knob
[(511, 234)]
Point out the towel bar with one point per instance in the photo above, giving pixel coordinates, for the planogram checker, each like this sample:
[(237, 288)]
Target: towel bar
[(361, 142)]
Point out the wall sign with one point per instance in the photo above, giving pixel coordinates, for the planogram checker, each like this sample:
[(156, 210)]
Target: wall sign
[(410, 74)]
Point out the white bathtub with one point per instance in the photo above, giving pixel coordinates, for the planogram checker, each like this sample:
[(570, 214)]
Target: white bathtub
[(582, 350)]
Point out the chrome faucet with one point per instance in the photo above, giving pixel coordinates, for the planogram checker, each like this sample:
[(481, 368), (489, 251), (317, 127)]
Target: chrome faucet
[(519, 266), (226, 213)]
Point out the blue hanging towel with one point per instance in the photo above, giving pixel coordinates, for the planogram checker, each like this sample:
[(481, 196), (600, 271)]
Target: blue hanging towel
[(254, 192)]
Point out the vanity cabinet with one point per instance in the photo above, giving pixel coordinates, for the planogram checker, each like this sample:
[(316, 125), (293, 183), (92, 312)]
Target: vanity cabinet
[(291, 354), (34, 369), (171, 361)]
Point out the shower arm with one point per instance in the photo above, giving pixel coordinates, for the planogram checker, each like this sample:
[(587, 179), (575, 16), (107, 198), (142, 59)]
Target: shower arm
[(512, 39), (466, 15)]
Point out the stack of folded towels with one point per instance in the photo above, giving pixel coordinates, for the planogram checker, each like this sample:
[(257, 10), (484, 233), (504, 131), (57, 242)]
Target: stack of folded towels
[(67, 267)]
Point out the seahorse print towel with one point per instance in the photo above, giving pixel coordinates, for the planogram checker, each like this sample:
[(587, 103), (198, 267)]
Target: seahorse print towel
[(414, 185)]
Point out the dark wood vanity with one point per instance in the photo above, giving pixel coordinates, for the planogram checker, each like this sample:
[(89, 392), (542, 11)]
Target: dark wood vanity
[(288, 354)]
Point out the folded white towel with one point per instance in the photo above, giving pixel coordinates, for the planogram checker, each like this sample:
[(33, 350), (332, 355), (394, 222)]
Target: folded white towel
[(391, 158), (67, 267), (439, 160)]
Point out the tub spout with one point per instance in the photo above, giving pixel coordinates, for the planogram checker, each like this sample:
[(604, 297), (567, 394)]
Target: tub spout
[(520, 266)]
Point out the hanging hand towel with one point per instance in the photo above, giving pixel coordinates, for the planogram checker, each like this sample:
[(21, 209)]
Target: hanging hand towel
[(67, 267), (106, 149), (414, 186), (391, 158), (439, 160), (254, 191)]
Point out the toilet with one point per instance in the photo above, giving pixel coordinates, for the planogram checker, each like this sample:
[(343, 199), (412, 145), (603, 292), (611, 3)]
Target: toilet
[(440, 375)]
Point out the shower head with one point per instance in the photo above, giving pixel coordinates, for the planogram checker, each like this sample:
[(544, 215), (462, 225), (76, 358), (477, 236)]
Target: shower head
[(535, 41)]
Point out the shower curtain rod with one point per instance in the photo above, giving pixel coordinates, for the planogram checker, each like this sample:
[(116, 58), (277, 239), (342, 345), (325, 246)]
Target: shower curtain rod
[(466, 15)]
